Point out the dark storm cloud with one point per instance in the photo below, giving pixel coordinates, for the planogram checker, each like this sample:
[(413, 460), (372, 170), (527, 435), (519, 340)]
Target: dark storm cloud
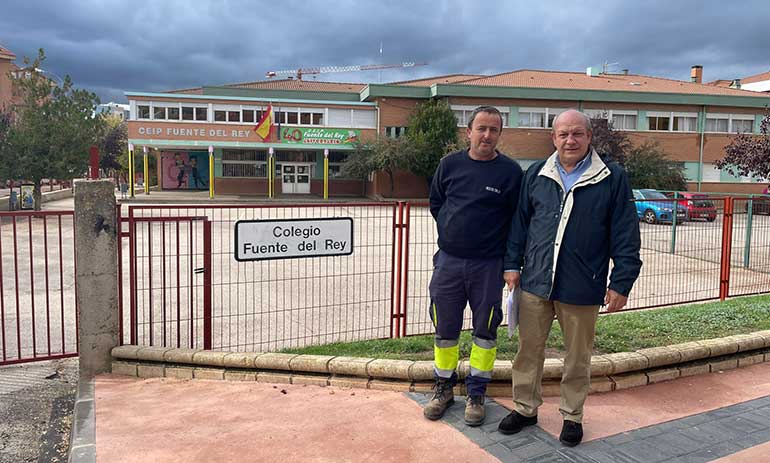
[(112, 46)]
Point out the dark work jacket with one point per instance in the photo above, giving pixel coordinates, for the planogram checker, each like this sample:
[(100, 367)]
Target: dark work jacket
[(562, 243)]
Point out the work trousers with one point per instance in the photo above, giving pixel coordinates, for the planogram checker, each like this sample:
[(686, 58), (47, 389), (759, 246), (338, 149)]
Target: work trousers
[(578, 324), (456, 283)]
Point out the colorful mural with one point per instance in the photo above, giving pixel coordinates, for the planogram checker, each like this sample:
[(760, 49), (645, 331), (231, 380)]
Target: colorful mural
[(185, 170)]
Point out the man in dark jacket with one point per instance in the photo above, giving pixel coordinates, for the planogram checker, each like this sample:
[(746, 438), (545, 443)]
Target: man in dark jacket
[(575, 214), (473, 197)]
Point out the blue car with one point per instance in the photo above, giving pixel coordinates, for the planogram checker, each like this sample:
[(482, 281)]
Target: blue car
[(650, 210)]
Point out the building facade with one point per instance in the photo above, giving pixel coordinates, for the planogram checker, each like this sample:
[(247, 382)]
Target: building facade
[(692, 122)]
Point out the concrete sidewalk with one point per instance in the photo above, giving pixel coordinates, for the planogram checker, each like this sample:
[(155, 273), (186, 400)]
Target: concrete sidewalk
[(695, 419)]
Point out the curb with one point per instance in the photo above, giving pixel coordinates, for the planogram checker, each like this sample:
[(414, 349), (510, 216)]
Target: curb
[(609, 372), (83, 435)]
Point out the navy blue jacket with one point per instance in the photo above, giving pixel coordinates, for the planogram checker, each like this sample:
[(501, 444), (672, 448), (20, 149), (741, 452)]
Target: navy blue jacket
[(473, 203), (563, 243)]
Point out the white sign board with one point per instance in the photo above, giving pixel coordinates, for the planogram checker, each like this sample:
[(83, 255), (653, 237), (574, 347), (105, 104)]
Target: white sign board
[(293, 238)]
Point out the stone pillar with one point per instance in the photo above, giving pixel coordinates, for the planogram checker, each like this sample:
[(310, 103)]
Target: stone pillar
[(97, 274)]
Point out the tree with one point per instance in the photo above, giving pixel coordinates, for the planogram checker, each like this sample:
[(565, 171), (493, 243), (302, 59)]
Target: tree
[(610, 144), (432, 130), (386, 154), (51, 129), (648, 166), (113, 145), (749, 154)]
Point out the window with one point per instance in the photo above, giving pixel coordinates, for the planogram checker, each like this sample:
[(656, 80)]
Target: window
[(220, 116), (538, 117), (717, 123), (143, 111), (173, 113), (742, 126), (532, 118), (552, 113), (188, 113), (201, 114), (291, 117), (395, 132), (658, 122), (463, 114), (248, 115), (233, 116), (280, 117), (159, 113), (244, 163), (318, 119), (729, 123), (624, 121), (336, 160), (685, 124)]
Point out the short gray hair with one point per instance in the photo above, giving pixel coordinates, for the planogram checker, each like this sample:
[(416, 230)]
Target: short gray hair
[(586, 118)]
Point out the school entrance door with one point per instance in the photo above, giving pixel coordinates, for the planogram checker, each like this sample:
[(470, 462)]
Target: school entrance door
[(295, 178)]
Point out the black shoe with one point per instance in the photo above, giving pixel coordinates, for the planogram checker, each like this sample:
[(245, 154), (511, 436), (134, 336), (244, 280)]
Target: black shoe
[(571, 433), (515, 422)]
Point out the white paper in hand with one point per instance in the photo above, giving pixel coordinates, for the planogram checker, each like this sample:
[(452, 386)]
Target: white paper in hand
[(512, 308)]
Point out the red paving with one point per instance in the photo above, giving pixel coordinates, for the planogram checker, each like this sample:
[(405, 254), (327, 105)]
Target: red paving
[(168, 420), (620, 411)]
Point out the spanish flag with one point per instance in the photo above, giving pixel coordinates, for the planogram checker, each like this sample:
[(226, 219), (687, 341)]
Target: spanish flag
[(265, 125)]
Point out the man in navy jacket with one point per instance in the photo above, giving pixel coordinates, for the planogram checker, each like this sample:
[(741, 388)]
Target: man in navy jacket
[(575, 214)]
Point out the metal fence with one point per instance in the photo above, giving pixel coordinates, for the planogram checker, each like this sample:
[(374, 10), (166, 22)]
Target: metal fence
[(37, 286), (172, 296)]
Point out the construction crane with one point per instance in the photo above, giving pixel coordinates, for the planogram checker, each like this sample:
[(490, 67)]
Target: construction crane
[(324, 69)]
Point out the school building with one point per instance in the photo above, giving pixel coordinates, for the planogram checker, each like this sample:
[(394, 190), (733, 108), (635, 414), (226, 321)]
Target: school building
[(319, 122)]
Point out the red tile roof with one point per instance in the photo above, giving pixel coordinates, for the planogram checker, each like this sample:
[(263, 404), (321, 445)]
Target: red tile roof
[(6, 54), (306, 85), (607, 82), (447, 79), (756, 78)]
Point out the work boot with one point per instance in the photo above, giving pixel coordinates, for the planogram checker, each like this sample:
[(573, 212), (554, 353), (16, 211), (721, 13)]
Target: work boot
[(571, 433), (474, 410), (443, 397)]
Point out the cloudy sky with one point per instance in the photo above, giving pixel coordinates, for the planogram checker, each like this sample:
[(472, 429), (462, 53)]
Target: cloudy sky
[(112, 46)]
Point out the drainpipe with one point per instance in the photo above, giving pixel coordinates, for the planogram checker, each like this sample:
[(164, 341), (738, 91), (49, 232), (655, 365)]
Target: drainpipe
[(700, 155)]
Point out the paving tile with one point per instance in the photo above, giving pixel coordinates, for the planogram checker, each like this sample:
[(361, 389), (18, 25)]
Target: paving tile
[(552, 457), (621, 438), (709, 433), (709, 453), (753, 439), (647, 450), (535, 449), (743, 423), (614, 456), (481, 438), (503, 453), (677, 440), (519, 440)]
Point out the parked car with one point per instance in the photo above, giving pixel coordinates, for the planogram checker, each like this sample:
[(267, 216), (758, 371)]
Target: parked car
[(698, 205), (760, 205), (650, 209)]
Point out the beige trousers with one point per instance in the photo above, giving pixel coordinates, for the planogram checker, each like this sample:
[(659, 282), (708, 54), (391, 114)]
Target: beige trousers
[(578, 323)]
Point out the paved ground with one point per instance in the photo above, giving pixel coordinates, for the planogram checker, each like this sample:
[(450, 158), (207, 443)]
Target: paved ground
[(695, 419), (35, 410)]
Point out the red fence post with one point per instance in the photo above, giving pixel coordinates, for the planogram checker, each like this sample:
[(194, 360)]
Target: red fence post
[(207, 271), (727, 244), (406, 269), (399, 256)]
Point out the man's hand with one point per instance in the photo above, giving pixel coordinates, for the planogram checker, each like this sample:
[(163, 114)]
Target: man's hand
[(512, 279), (614, 301)]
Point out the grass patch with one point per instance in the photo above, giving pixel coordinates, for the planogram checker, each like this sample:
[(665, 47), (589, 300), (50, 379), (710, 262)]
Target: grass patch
[(621, 332)]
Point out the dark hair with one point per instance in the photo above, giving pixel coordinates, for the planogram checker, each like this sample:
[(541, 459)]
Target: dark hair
[(488, 110)]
